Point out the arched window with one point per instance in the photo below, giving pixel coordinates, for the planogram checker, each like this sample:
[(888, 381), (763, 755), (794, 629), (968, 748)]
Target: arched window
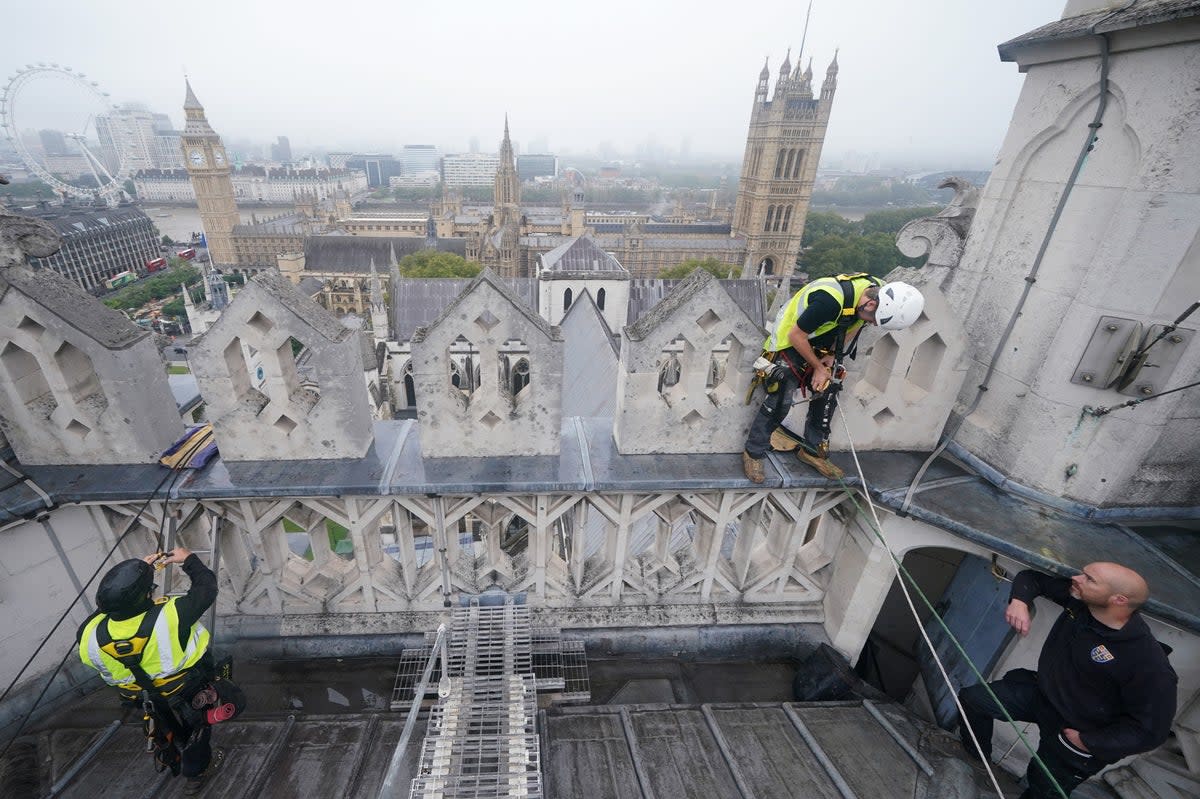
[(791, 159), (770, 218), (600, 299), (779, 163), (778, 219), (799, 164), (787, 218), (520, 376), (566, 300)]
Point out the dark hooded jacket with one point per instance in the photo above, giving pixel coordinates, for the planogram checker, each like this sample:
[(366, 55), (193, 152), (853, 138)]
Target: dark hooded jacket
[(1116, 687)]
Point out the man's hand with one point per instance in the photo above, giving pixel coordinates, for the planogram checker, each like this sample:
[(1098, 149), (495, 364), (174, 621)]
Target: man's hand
[(1073, 736), (1017, 616), (820, 378), (176, 555)]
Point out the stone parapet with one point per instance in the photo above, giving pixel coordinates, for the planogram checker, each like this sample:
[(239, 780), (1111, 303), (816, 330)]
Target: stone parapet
[(307, 401), (488, 376), (81, 384), (684, 370)]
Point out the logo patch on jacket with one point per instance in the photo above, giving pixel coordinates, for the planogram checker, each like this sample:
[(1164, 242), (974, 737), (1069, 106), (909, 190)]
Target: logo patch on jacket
[(1101, 654)]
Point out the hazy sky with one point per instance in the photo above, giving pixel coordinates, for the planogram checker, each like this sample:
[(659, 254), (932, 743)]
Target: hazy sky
[(919, 79)]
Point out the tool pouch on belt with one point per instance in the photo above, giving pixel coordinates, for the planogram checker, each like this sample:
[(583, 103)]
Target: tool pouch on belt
[(219, 700)]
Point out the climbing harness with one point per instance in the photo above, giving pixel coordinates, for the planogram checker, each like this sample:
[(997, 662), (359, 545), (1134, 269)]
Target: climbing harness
[(905, 579)]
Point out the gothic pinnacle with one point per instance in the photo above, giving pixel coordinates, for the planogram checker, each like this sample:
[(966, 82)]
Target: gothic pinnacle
[(190, 101)]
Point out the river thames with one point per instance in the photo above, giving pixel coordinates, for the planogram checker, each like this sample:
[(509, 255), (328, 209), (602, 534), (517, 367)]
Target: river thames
[(180, 221)]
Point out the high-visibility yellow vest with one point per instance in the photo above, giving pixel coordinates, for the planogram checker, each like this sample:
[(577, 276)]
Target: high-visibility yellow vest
[(162, 657), (785, 320)]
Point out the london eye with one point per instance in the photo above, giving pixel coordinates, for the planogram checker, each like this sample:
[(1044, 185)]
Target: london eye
[(76, 103)]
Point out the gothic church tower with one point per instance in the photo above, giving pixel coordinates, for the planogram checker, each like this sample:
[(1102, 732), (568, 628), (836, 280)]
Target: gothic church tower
[(207, 166), (502, 249), (783, 148)]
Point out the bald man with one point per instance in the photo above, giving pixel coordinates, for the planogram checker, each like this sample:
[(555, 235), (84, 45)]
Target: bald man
[(1103, 689)]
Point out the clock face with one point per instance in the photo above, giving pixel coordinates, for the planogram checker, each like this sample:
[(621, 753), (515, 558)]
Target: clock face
[(219, 157), (196, 157)]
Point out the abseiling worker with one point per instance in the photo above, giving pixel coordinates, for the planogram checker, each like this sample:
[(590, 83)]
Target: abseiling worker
[(157, 652), (811, 335)]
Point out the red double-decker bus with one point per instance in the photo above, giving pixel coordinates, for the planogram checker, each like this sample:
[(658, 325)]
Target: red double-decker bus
[(155, 264), (187, 254)]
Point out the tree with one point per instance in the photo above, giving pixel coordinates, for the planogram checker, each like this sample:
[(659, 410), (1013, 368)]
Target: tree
[(431, 263), (167, 241), (825, 223), (685, 268)]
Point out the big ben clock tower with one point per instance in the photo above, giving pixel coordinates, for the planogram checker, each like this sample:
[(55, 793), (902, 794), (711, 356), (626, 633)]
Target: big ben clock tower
[(204, 157)]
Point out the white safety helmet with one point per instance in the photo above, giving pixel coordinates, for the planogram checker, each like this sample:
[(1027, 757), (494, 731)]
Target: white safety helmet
[(899, 306)]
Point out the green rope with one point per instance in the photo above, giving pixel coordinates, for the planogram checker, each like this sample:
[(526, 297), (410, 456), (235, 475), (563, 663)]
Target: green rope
[(954, 640)]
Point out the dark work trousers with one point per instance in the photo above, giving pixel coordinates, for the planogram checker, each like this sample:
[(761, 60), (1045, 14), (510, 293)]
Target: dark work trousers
[(191, 737), (1020, 695), (774, 407), (814, 431)]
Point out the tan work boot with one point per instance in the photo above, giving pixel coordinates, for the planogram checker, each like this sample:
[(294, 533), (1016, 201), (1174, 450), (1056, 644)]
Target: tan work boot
[(822, 465), (753, 467), (782, 442)]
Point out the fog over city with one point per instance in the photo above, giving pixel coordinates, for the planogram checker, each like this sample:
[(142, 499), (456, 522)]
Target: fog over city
[(919, 82)]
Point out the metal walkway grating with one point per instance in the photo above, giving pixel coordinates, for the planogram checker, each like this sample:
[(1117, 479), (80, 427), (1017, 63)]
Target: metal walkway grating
[(487, 669), (559, 667)]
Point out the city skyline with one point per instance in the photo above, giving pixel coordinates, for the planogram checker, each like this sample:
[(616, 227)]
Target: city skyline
[(589, 84)]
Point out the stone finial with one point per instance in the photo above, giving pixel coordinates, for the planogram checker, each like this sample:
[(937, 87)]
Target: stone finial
[(684, 370), (488, 376), (944, 235), (79, 383), (283, 378)]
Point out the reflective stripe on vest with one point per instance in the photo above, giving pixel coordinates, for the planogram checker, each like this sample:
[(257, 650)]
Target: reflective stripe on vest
[(786, 319), (162, 655)]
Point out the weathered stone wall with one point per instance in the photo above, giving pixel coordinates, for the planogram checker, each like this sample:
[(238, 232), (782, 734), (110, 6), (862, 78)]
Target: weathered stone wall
[(79, 383), (323, 413), (615, 297), (488, 377), (683, 374), (1127, 245)]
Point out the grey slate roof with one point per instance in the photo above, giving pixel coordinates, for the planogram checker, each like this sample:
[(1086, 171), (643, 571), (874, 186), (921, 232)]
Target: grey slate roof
[(582, 255), (645, 293), (417, 302), (310, 286), (74, 221), (674, 748), (1138, 14), (506, 290), (354, 253), (589, 385), (340, 744)]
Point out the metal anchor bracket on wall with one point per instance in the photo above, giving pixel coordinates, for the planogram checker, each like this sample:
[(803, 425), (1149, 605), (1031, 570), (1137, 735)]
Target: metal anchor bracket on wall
[(1120, 356)]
